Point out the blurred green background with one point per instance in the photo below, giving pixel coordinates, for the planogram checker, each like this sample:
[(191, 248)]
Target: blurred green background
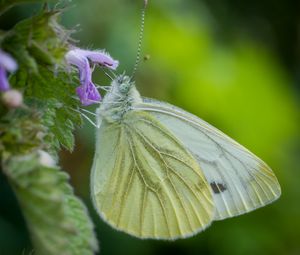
[(235, 64)]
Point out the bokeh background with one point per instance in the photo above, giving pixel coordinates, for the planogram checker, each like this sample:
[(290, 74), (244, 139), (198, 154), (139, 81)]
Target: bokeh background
[(235, 64)]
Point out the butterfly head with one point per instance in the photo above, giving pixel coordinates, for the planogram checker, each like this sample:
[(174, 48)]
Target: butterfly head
[(120, 98), (124, 83)]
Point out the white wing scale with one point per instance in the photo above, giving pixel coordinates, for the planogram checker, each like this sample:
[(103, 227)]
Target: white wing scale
[(240, 181)]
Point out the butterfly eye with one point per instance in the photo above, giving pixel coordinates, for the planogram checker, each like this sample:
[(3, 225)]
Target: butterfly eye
[(124, 87)]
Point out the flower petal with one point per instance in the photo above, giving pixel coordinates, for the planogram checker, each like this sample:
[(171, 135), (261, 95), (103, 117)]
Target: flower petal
[(7, 62), (88, 94), (4, 85), (87, 91), (74, 57), (102, 58)]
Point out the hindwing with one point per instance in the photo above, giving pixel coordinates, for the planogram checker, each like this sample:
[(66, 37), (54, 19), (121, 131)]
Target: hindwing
[(146, 183), (240, 181)]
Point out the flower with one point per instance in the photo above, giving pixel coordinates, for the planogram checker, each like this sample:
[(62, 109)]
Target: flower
[(7, 64), (12, 98), (80, 58)]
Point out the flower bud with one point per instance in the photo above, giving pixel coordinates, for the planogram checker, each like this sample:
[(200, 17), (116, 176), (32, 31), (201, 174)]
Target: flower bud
[(12, 98)]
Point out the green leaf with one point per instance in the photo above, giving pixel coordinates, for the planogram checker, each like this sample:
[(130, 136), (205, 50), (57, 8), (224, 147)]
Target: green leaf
[(57, 220), (39, 45), (41, 37), (21, 132)]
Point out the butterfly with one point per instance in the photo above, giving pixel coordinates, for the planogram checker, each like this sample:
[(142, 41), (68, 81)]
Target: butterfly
[(163, 173)]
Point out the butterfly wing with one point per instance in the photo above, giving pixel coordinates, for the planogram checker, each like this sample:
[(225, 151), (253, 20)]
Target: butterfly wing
[(145, 182), (240, 181)]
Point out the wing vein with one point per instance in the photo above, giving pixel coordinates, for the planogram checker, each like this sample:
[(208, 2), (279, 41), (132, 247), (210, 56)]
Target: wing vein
[(144, 200), (154, 191), (179, 176), (175, 173), (170, 198)]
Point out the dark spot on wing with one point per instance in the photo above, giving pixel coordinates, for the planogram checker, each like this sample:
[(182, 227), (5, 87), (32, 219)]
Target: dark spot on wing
[(218, 187)]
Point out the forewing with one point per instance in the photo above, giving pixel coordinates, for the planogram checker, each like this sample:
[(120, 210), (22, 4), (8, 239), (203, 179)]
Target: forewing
[(240, 181), (145, 182)]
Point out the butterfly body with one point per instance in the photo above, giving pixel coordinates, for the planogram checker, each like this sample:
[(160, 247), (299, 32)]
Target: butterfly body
[(160, 172), (119, 100)]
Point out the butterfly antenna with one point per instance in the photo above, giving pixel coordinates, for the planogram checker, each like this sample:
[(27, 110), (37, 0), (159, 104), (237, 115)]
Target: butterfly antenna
[(138, 54)]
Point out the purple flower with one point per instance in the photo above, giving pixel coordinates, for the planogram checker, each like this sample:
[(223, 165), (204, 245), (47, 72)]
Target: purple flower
[(87, 91), (7, 64)]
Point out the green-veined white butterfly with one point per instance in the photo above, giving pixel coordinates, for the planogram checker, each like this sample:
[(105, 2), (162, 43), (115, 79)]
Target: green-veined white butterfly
[(160, 172)]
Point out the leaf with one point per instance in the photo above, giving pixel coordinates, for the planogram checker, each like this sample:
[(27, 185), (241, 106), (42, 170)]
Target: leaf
[(57, 220), (21, 132), (39, 45)]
